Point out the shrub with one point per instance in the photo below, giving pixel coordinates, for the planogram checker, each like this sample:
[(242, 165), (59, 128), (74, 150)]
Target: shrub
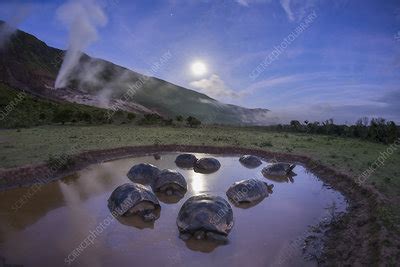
[(63, 116), (150, 119), (60, 162), (376, 129), (84, 116), (168, 122), (193, 122), (131, 116)]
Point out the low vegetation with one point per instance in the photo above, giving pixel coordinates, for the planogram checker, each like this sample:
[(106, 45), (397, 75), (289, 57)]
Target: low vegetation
[(375, 130), (60, 162), (32, 111), (192, 122)]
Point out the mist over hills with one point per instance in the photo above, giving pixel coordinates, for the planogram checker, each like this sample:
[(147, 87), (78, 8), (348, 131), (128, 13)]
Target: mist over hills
[(27, 63)]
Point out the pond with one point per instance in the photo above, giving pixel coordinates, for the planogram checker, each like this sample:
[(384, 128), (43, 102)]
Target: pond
[(48, 226)]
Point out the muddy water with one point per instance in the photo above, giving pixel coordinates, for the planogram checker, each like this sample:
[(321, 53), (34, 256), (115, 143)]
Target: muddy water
[(59, 216)]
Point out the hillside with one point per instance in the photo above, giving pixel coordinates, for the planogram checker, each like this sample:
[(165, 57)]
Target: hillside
[(18, 109), (27, 63)]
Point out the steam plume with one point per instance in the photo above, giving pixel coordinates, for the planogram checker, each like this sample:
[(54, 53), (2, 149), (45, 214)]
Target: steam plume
[(81, 17), (10, 26)]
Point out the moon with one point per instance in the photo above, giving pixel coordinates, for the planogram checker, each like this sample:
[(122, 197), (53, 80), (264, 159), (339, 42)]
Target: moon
[(199, 68)]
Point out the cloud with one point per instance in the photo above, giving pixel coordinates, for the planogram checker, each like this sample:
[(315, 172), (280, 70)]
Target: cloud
[(273, 82), (295, 10), (391, 101), (242, 2), (286, 6), (82, 19), (248, 2), (10, 26), (5, 33), (214, 87), (321, 95), (341, 113)]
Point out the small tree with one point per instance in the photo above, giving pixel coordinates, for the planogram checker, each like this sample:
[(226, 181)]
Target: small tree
[(376, 131), (63, 116), (150, 119), (131, 116), (296, 125), (169, 122), (179, 118), (192, 121), (84, 116), (42, 116), (392, 132), (361, 128)]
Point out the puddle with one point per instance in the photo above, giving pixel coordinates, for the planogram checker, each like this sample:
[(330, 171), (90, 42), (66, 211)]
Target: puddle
[(56, 218)]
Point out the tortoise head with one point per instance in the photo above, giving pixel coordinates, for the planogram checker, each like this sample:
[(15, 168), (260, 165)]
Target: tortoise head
[(269, 187)]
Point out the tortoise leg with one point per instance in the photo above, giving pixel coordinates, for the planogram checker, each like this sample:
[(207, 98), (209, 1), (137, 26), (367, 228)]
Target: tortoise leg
[(221, 239), (149, 217), (291, 167), (179, 194), (185, 236), (199, 235)]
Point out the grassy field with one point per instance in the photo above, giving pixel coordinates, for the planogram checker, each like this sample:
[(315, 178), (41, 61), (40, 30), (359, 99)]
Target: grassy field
[(351, 156)]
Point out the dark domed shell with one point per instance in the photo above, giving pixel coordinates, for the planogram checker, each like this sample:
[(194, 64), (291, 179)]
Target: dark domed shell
[(170, 177), (128, 195), (278, 169), (250, 161), (206, 213), (248, 191), (185, 160), (143, 173), (207, 165)]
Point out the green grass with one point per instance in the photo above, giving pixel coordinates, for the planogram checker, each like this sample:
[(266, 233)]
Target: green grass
[(351, 156)]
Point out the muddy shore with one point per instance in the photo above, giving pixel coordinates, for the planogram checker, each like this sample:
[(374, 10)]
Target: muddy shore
[(355, 238)]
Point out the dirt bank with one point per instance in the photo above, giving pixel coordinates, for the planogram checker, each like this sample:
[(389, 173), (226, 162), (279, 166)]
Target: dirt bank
[(356, 238)]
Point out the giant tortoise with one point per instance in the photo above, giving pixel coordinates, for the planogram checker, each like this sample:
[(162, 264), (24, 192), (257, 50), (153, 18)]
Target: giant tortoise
[(205, 216)]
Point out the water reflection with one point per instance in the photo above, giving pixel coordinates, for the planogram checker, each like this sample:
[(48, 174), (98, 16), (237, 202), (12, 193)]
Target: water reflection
[(204, 246), (168, 199), (248, 166), (198, 182), (246, 205), (22, 207), (281, 179), (70, 179), (138, 222), (79, 217)]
